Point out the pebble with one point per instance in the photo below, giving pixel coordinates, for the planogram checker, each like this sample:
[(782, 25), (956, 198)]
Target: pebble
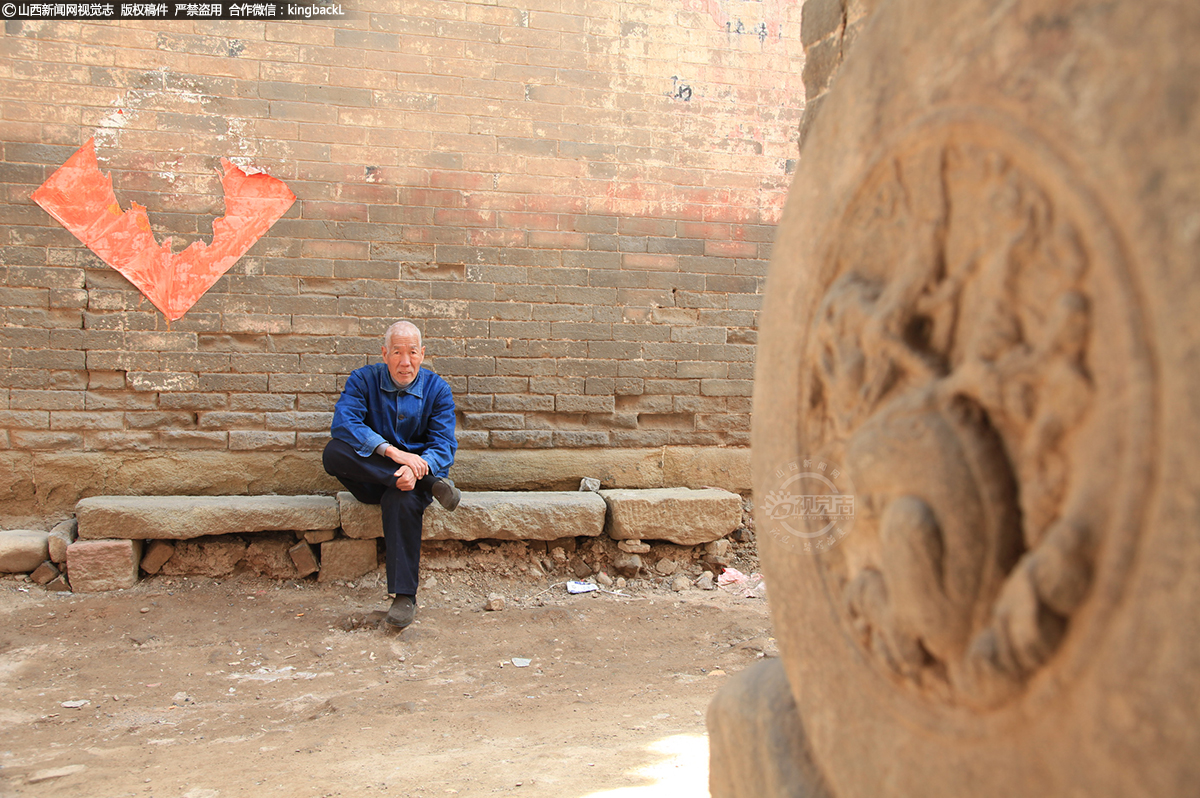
[(604, 579), (680, 583), (633, 546), (627, 565), (717, 548), (705, 582), (495, 602)]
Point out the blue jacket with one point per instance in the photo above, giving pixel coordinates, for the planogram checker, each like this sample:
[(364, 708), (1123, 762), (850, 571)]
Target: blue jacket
[(372, 410)]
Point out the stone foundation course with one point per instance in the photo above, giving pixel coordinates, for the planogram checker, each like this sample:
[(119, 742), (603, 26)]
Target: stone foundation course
[(111, 540)]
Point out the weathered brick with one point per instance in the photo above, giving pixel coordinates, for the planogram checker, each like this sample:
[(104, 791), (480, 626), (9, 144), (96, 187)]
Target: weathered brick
[(584, 404), (46, 400), (494, 421), (102, 565), (299, 421), (250, 402), (162, 381), (259, 440), (581, 439), (69, 419), (194, 439), (30, 439), (234, 382), (346, 558), (522, 439), (517, 403)]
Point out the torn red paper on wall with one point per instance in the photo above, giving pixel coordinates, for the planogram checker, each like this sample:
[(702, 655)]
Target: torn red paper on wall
[(82, 200)]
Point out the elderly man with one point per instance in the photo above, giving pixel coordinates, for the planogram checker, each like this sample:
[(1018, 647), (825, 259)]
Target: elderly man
[(393, 443)]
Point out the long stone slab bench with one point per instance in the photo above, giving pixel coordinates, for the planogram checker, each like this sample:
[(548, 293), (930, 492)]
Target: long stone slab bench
[(497, 515), (677, 515), (111, 529), (186, 517)]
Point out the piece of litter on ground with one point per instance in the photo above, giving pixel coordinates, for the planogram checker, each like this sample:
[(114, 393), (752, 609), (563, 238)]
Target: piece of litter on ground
[(521, 662), (731, 576), (76, 704), (752, 586), (581, 587)]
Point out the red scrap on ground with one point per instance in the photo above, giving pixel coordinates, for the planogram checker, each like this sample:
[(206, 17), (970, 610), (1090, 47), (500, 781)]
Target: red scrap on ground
[(82, 200)]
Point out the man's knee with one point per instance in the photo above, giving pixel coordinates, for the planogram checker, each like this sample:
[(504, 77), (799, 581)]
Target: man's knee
[(409, 503), (334, 456)]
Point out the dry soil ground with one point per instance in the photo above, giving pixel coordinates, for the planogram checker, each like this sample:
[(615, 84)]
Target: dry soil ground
[(199, 688)]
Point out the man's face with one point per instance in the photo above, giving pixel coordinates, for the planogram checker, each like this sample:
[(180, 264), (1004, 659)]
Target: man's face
[(403, 356)]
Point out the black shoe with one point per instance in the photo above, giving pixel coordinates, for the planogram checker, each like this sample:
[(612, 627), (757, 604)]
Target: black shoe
[(402, 612), (447, 495)]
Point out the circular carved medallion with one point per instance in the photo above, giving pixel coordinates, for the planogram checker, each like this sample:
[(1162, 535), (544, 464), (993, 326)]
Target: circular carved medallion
[(971, 362)]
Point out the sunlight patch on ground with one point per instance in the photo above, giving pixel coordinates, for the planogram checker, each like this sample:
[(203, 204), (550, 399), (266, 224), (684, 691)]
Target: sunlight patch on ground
[(683, 771)]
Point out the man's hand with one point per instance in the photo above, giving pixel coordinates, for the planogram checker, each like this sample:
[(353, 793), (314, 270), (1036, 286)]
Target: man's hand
[(405, 479), (418, 466)]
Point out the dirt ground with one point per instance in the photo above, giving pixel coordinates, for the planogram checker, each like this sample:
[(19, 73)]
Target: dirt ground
[(206, 688)]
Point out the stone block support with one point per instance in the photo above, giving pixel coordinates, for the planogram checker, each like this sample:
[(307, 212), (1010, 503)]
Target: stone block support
[(679, 515), (94, 566)]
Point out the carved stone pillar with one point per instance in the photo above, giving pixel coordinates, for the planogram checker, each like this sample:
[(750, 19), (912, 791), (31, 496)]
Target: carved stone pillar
[(975, 423)]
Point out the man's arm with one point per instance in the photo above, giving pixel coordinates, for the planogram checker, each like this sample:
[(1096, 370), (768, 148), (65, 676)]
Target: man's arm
[(350, 417), (397, 455), (439, 452)]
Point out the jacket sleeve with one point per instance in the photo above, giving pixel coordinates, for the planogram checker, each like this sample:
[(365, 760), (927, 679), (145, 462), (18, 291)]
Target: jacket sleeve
[(442, 444), (350, 417)]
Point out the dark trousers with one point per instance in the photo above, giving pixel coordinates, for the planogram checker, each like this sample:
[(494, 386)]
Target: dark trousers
[(372, 480)]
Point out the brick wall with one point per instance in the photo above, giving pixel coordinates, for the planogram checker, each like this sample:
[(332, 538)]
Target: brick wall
[(574, 200)]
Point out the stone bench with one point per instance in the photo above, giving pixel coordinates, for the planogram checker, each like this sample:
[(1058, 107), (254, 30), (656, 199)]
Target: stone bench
[(491, 515), (186, 517), (678, 515), (117, 534)]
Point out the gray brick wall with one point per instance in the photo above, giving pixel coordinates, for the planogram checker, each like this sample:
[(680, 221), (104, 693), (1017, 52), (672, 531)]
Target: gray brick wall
[(582, 240)]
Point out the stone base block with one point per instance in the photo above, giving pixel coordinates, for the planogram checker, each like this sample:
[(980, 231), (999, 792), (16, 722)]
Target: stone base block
[(157, 554), (22, 550), (44, 574), (304, 558), (492, 515), (345, 559), (757, 746), (99, 565), (319, 536), (186, 517), (679, 515)]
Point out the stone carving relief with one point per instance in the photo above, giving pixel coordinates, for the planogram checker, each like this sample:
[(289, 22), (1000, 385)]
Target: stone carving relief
[(958, 371)]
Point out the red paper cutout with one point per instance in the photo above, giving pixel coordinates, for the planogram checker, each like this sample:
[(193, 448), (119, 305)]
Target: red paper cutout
[(82, 200)]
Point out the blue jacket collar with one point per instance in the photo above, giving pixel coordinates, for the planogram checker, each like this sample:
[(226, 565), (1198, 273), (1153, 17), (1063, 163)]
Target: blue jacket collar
[(415, 388)]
